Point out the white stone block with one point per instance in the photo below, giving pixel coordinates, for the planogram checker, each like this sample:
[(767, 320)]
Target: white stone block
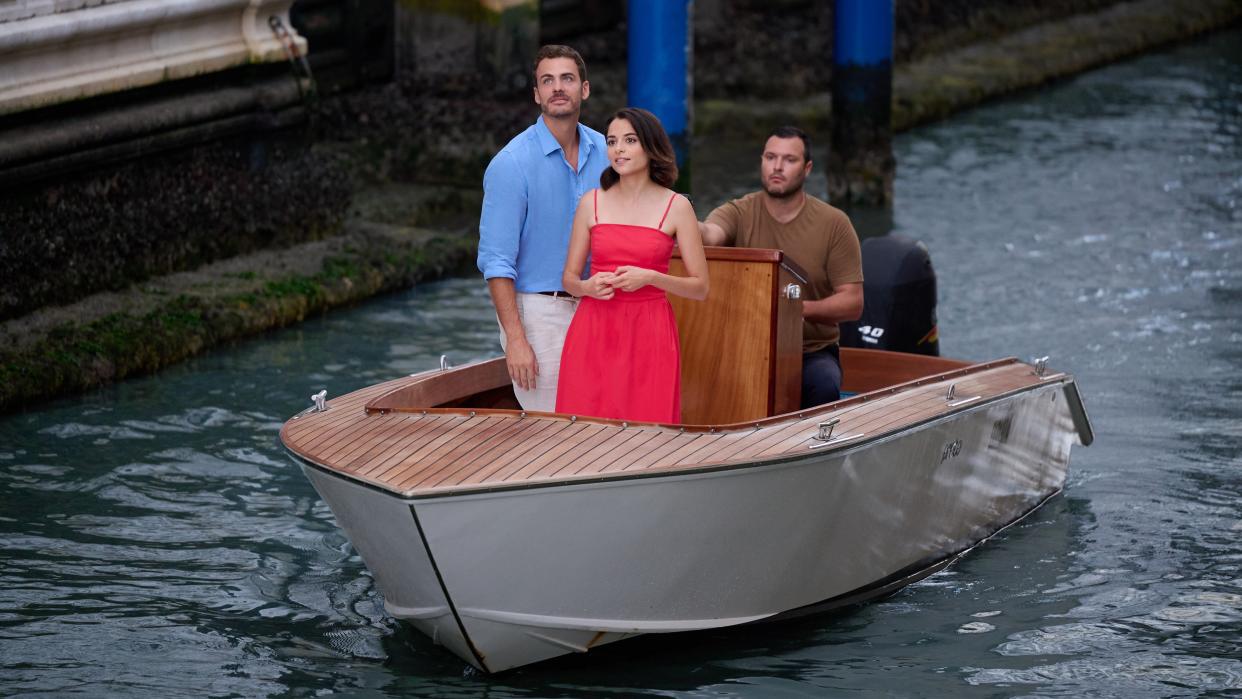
[(54, 51)]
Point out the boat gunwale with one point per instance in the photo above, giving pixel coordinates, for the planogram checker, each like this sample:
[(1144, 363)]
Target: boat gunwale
[(726, 428), (1061, 379)]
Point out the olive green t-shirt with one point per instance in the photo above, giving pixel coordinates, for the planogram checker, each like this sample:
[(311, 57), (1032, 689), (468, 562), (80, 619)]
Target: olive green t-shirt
[(820, 239)]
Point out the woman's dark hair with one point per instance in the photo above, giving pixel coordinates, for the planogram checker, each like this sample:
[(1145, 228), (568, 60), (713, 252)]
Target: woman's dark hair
[(661, 162)]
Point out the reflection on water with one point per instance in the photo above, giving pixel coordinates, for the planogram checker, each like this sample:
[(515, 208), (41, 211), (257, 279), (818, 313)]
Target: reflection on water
[(156, 542)]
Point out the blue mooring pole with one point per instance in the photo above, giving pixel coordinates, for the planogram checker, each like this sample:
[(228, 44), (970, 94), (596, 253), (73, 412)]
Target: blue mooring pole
[(861, 164), (659, 70)]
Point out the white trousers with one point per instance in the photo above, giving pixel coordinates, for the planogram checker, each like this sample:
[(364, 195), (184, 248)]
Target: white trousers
[(545, 320)]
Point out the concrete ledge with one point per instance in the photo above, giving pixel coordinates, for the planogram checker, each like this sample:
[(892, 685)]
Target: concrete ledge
[(47, 147), (107, 337), (61, 56), (935, 87)]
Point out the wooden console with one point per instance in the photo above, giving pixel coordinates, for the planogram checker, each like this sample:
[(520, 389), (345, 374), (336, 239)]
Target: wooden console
[(741, 348)]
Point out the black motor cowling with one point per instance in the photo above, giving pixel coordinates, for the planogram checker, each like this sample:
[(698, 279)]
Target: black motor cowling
[(899, 292)]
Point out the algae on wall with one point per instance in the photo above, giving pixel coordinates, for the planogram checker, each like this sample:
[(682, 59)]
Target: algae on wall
[(748, 49), (109, 228), (169, 320)]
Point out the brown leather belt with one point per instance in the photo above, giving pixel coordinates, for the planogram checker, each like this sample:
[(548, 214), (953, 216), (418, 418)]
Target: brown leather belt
[(556, 294)]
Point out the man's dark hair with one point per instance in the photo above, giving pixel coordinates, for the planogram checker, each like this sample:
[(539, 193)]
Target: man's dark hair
[(558, 51), (661, 161), (794, 132)]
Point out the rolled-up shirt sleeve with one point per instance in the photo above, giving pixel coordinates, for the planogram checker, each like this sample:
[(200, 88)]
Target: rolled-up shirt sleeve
[(727, 216), (504, 213)]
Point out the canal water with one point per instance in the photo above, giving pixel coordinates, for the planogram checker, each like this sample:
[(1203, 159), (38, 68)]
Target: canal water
[(155, 541)]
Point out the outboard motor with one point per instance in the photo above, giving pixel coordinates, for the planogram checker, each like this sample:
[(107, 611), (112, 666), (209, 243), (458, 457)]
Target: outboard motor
[(899, 292)]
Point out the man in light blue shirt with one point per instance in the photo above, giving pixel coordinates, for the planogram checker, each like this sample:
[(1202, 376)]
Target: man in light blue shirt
[(530, 191)]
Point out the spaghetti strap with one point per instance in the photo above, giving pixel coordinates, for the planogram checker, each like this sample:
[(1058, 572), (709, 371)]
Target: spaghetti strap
[(666, 209), (595, 204)]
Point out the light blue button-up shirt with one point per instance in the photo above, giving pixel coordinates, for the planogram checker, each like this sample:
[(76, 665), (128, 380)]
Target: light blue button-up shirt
[(529, 196)]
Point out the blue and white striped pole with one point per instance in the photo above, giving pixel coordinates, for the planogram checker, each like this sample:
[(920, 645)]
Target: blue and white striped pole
[(659, 68), (861, 165)]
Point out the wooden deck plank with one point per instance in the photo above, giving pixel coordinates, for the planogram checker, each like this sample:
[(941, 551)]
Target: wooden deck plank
[(704, 441), (329, 435), (598, 458), (362, 433), (403, 425), (430, 428), (651, 439), (395, 433), (478, 441), (584, 433), (571, 457), (443, 457), (476, 433), (658, 457), (527, 434), (331, 427), (515, 459), (719, 451), (326, 428), (414, 460), (624, 459), (414, 429), (380, 437)]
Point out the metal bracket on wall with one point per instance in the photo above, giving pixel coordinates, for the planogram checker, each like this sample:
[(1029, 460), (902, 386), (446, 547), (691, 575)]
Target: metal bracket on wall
[(297, 60)]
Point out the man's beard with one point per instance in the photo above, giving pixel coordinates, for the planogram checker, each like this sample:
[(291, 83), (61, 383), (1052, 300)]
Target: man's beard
[(559, 109), (791, 189)]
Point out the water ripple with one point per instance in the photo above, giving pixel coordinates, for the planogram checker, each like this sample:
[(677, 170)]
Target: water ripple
[(1141, 674)]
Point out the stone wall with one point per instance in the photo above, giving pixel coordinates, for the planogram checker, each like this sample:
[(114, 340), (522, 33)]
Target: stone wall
[(783, 48), (182, 183), (106, 229), (105, 190), (926, 27)]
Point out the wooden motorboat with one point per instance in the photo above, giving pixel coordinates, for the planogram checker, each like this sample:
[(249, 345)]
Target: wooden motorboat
[(511, 537)]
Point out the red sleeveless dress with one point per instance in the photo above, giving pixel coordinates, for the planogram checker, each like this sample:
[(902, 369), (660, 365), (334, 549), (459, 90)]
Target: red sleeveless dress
[(622, 359)]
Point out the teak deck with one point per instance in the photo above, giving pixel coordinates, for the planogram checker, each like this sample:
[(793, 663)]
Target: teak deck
[(392, 436)]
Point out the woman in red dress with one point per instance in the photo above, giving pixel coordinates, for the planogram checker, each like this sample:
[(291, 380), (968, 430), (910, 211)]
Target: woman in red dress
[(621, 358)]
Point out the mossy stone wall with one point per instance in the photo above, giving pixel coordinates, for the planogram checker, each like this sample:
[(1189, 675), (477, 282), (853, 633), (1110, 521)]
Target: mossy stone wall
[(783, 48), (65, 238)]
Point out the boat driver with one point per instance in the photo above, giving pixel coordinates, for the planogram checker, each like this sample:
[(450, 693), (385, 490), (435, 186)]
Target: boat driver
[(816, 236)]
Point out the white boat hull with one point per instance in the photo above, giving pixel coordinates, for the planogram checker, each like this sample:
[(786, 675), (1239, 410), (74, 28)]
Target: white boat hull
[(514, 575)]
